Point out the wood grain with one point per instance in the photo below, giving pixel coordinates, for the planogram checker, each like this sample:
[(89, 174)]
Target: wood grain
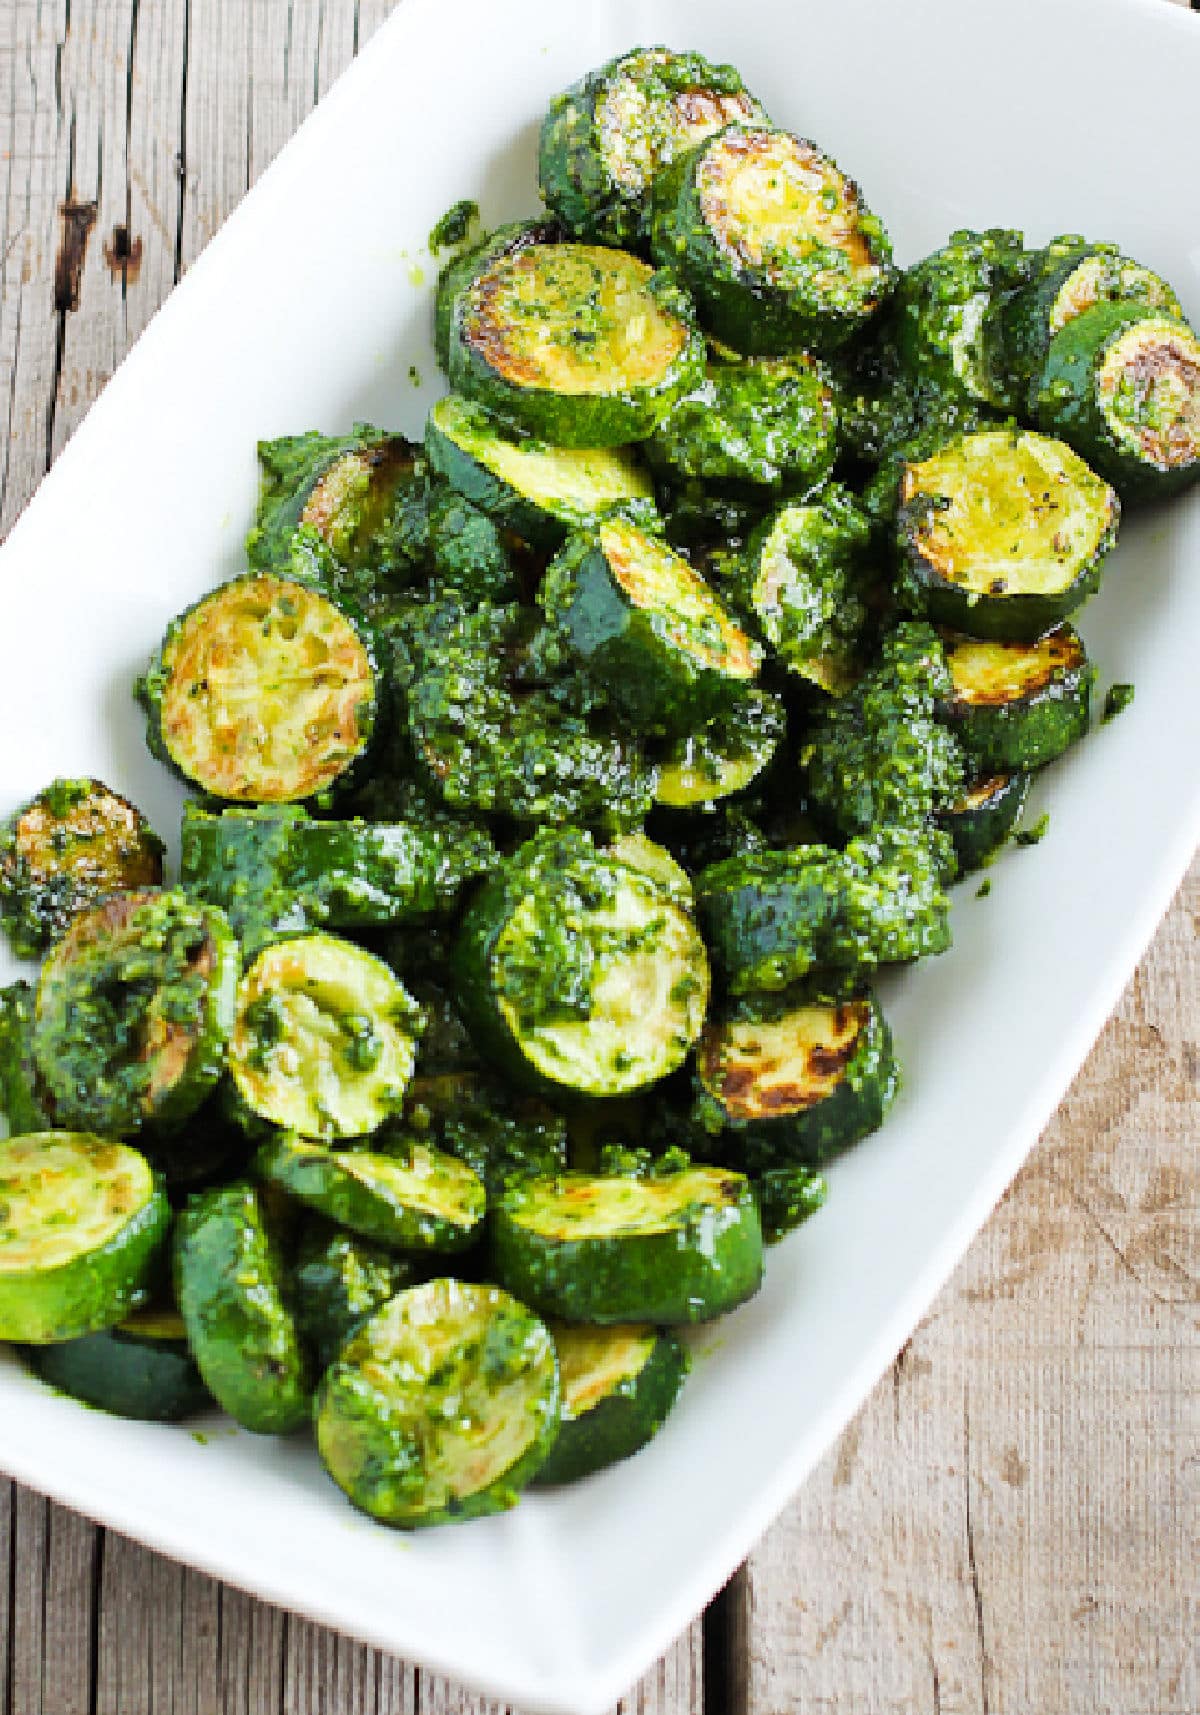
[(1010, 1524)]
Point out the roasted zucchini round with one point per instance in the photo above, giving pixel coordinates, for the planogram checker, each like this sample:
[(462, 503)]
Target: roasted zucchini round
[(806, 585), (983, 817), (1017, 706), (757, 422), (337, 1281), (142, 1368), (461, 269), (724, 757), (618, 1386)]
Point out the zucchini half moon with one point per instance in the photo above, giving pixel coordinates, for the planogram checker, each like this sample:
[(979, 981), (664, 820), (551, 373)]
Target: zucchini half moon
[(618, 1386), (1017, 706), (984, 816)]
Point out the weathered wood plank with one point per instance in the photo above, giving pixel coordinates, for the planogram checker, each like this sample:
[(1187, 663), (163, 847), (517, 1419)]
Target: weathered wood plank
[(52, 1619)]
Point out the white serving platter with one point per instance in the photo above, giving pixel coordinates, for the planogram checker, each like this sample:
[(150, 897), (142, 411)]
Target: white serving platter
[(307, 311)]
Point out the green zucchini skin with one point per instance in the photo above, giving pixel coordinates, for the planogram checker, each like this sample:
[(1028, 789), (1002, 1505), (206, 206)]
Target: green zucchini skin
[(229, 1284), (550, 957), (725, 757), (538, 491), (384, 1430), (142, 1369), (22, 1103), (1121, 384), (794, 1078), (519, 348), (627, 1411), (277, 745), (1002, 533), (65, 851), (810, 283), (409, 1198), (984, 816), (606, 138), (273, 868), (134, 1010), (458, 273), (762, 423), (83, 1224), (1017, 706), (771, 916), (648, 628), (337, 1281)]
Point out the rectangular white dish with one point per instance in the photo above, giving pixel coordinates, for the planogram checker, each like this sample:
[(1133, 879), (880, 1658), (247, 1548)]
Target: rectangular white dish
[(307, 311)]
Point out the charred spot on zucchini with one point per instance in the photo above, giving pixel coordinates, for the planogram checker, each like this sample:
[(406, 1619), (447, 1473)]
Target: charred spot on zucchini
[(456, 274), (606, 138), (776, 244), (1016, 706), (142, 1369), (794, 1078), (618, 1387), (442, 1406), (578, 345), (1002, 533), (337, 1281), (134, 1009), (264, 691), (579, 972), (983, 816), (409, 1198), (677, 1248), (646, 625), (65, 851), (536, 489), (1121, 384), (324, 1042), (22, 1101), (724, 757), (82, 1221), (230, 1287)]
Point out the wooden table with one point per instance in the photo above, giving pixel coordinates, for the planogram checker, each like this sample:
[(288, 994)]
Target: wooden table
[(1011, 1525)]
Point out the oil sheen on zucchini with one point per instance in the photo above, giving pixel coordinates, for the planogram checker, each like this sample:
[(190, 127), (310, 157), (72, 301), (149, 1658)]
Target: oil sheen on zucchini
[(1002, 533), (142, 1368), (441, 1407), (606, 1248), (82, 1221), (337, 1280), (578, 345), (1017, 706), (618, 1386), (724, 757)]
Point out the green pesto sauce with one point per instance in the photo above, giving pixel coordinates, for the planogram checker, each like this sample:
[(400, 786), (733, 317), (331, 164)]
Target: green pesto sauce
[(786, 1197), (1034, 835), (984, 888), (1117, 698), (757, 422), (455, 225)]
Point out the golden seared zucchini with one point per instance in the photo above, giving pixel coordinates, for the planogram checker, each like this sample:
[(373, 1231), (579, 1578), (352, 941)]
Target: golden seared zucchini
[(324, 1043), (82, 1220), (773, 241), (1017, 706), (983, 816), (1002, 533), (264, 691), (66, 850), (134, 1009), (618, 1386), (606, 138), (577, 345), (457, 274), (442, 1406)]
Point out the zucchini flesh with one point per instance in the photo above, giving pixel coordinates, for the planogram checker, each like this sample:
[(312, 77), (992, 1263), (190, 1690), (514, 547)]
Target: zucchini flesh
[(684, 1247), (82, 1220), (618, 1386), (1002, 533), (412, 1199), (264, 691), (324, 1043), (984, 816), (441, 1407), (134, 1009), (1016, 706), (142, 1368), (65, 851)]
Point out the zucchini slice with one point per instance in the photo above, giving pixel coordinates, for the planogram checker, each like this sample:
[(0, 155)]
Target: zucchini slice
[(324, 1042), (82, 1220), (618, 1387), (65, 851), (264, 691), (608, 1248), (417, 1199), (142, 1368), (273, 868), (337, 1281), (229, 1283), (776, 244), (944, 323), (134, 1009), (538, 491), (1017, 706), (441, 1407), (984, 816), (580, 346), (795, 1078), (1121, 384), (724, 757), (648, 627), (605, 139), (22, 1103), (456, 274), (1002, 534), (807, 586), (577, 971), (755, 422)]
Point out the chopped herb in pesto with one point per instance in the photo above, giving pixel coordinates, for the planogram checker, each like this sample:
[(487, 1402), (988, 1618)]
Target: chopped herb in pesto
[(455, 225), (1035, 834), (1116, 699)]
